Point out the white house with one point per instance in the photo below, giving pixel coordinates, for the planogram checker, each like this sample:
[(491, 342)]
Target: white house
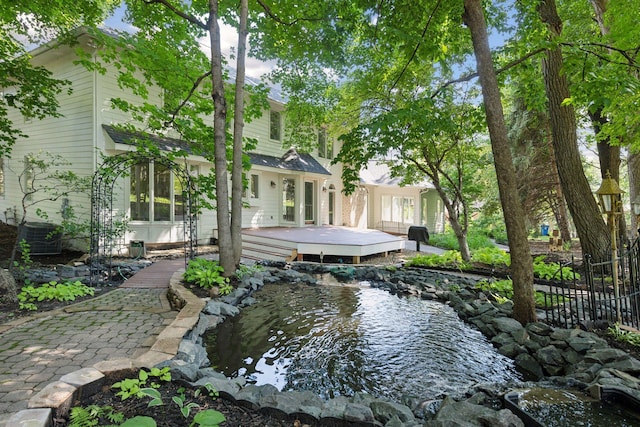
[(286, 188), (381, 203)]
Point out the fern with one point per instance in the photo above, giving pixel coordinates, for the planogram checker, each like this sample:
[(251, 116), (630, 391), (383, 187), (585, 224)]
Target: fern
[(90, 416)]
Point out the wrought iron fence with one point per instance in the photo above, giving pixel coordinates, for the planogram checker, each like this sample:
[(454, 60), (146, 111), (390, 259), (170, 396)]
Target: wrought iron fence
[(589, 298)]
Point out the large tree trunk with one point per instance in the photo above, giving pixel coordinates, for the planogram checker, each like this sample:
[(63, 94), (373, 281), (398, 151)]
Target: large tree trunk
[(591, 228), (633, 168), (225, 244), (238, 126), (521, 263)]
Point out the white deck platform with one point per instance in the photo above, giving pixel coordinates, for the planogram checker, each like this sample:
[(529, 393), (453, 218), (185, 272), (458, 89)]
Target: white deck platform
[(326, 241)]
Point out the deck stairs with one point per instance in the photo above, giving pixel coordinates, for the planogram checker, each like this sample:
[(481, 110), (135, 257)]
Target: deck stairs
[(264, 248)]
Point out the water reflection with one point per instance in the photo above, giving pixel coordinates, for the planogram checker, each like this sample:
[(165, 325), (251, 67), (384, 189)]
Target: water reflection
[(338, 340)]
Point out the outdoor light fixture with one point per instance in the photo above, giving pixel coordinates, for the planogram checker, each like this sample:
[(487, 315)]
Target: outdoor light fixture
[(610, 197), (273, 184)]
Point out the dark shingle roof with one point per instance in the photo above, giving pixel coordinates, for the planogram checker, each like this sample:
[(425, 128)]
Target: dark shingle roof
[(130, 138), (291, 160)]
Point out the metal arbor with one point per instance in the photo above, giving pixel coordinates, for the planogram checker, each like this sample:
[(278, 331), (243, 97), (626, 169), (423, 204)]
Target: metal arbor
[(108, 225)]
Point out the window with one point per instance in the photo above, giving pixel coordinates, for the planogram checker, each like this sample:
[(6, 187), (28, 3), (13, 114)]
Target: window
[(325, 145), (29, 176), (1, 176), (275, 126), (398, 209), (155, 193), (253, 191)]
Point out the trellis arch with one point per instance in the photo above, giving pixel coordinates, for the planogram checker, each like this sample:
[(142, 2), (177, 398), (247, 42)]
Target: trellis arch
[(105, 221)]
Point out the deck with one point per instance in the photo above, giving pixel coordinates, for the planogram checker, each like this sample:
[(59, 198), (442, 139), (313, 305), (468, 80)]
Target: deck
[(324, 241)]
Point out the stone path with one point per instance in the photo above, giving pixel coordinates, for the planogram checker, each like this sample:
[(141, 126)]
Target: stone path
[(123, 323)]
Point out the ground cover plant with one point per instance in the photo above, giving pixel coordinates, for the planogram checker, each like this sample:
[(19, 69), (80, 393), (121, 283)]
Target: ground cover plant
[(32, 294), (207, 274)]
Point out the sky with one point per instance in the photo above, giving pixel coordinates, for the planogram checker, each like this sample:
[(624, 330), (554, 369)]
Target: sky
[(229, 37)]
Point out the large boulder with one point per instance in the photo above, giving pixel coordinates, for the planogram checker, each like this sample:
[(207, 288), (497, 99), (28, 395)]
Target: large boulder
[(8, 291)]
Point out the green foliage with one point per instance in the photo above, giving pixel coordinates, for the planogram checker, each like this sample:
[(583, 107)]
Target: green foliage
[(619, 334), (450, 259), (90, 416), (247, 270), (180, 400), (448, 240), (552, 270), (208, 418), (139, 421), (137, 387), (492, 256), (502, 291), (52, 291), (207, 274)]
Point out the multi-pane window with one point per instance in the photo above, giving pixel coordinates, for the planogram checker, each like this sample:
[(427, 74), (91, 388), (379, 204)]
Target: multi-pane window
[(155, 192), (253, 190), (325, 145), (398, 209), (275, 125)]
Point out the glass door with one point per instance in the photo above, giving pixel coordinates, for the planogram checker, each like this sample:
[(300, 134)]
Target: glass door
[(288, 199), (309, 203)]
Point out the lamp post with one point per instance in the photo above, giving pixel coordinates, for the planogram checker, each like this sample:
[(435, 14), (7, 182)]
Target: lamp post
[(610, 197)]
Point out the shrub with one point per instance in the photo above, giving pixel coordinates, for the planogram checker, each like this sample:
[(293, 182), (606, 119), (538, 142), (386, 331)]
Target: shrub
[(491, 256), (450, 259), (552, 270), (206, 274)]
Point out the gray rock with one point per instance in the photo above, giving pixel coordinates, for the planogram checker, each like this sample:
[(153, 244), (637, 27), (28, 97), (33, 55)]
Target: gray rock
[(529, 365), (501, 418), (506, 324), (254, 394), (222, 386), (550, 355), (192, 354), (454, 413), (220, 308), (511, 350), (186, 371), (582, 344), (292, 402), (539, 328), (503, 338), (354, 412), (605, 355), (521, 336), (384, 411)]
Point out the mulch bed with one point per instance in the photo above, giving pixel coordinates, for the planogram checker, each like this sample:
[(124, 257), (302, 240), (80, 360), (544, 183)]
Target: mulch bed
[(169, 414)]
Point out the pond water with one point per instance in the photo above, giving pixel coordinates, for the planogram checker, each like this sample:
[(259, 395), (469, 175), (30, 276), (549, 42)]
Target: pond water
[(338, 340)]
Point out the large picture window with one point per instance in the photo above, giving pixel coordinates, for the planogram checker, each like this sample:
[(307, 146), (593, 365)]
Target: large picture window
[(155, 193), (398, 209)]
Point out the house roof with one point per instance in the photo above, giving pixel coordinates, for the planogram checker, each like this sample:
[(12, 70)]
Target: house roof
[(130, 138), (291, 160), (379, 173)]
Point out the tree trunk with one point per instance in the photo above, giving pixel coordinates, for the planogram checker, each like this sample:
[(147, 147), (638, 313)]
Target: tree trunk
[(238, 126), (521, 264), (633, 168), (591, 228), (225, 244)]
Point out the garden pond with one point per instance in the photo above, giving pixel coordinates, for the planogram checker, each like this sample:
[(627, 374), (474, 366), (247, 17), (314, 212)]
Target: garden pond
[(337, 339)]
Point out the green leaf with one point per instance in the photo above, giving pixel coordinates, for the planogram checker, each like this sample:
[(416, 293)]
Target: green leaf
[(209, 418), (139, 421)]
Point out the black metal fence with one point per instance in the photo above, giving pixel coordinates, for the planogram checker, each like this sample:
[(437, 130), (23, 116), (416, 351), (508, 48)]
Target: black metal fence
[(589, 298)]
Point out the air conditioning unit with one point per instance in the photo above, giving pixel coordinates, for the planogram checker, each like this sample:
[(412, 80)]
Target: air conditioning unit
[(41, 237)]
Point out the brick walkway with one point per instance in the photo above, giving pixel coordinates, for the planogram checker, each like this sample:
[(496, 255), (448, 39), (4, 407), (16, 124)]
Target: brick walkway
[(122, 323)]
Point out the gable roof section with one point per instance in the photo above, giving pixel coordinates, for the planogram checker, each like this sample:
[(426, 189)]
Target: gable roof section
[(379, 173), (130, 138), (291, 160)]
